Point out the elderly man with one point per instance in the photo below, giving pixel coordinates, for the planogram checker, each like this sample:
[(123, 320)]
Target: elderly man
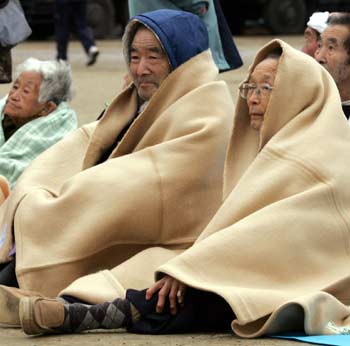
[(35, 114), (148, 173), (333, 53), (275, 257), (316, 24)]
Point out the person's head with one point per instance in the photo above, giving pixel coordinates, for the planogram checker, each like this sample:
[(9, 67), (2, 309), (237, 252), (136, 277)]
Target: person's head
[(158, 42), (259, 86), (38, 88), (333, 51), (148, 64), (314, 27)]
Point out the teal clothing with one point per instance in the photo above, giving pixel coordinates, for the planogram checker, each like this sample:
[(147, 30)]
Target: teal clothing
[(221, 43), (32, 139)]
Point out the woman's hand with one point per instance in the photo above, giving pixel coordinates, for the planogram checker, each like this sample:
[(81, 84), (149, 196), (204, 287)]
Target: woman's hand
[(167, 287)]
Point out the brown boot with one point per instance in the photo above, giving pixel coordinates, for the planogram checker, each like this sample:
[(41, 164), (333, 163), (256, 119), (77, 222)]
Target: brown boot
[(9, 305), (40, 315)]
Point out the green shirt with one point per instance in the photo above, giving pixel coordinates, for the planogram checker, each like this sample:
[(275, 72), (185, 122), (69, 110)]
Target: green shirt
[(31, 139)]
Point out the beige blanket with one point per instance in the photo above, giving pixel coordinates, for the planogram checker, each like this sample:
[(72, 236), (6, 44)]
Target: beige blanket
[(160, 186), (278, 249)]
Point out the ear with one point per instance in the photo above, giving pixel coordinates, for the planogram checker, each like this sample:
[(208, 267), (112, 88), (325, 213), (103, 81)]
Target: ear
[(49, 107)]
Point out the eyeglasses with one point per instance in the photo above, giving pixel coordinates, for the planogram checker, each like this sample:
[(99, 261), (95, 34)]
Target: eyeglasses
[(248, 89)]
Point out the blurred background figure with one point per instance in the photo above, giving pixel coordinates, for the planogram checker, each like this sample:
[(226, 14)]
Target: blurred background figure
[(13, 29), (69, 14), (314, 27), (223, 48)]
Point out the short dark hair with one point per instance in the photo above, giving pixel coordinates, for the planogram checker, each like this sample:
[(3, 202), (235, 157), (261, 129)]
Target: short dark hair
[(341, 18)]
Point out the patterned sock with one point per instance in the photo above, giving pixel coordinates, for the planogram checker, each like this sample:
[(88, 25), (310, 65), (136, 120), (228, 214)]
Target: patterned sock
[(109, 315)]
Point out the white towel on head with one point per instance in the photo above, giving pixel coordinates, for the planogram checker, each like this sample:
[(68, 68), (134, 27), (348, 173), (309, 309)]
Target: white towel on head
[(318, 21)]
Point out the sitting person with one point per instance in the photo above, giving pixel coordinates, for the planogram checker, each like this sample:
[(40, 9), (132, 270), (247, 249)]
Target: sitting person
[(148, 173), (274, 258), (333, 53), (34, 115), (312, 33)]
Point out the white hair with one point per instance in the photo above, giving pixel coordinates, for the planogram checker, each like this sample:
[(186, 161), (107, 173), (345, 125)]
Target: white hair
[(56, 85)]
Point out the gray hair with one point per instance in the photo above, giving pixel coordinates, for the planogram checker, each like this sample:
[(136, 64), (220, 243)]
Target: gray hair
[(129, 36), (56, 85)]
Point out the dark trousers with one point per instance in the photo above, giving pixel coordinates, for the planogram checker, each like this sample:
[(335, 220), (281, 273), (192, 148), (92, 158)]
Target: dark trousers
[(8, 274), (68, 15), (202, 312)]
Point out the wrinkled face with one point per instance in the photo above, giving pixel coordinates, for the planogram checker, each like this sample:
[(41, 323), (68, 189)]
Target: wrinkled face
[(263, 77), (149, 64), (22, 101), (332, 54), (310, 41)]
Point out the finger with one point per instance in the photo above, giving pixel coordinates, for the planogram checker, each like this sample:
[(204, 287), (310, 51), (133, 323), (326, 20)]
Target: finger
[(182, 289), (173, 296), (181, 294), (163, 295), (155, 288)]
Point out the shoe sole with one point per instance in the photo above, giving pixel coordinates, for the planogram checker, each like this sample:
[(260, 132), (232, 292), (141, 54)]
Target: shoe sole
[(9, 312)]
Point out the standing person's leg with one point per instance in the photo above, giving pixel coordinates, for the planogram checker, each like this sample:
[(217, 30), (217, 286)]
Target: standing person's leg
[(83, 32), (5, 65), (62, 28)]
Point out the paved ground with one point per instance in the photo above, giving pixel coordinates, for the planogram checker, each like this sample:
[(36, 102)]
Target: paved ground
[(94, 86), (14, 337)]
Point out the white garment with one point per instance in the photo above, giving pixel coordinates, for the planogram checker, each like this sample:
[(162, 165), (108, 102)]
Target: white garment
[(318, 21)]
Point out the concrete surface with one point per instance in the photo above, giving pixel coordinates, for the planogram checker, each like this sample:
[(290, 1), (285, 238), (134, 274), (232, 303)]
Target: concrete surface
[(95, 86), (15, 337)]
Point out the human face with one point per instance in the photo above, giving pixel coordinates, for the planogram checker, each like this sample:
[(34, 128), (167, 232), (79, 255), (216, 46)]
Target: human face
[(332, 55), (310, 41), (264, 73), (149, 65), (22, 103)]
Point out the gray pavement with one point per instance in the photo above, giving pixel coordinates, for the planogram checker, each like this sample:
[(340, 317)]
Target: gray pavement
[(95, 86), (15, 337)]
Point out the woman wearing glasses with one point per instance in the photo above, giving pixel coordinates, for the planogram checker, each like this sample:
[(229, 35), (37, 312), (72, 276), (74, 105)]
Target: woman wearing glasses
[(275, 257)]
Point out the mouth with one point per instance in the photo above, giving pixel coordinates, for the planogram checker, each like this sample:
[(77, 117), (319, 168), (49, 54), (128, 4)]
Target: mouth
[(256, 115), (146, 83), (11, 105)]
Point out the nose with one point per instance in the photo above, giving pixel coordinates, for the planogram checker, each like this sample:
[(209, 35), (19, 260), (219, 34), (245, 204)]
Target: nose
[(254, 97), (143, 67), (320, 55), (14, 94)]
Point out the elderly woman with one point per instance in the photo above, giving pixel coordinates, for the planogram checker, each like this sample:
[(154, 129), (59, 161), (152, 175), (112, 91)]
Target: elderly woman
[(274, 258), (35, 114)]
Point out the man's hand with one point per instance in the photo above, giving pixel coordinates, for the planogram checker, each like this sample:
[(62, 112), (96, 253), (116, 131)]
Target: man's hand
[(167, 287)]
